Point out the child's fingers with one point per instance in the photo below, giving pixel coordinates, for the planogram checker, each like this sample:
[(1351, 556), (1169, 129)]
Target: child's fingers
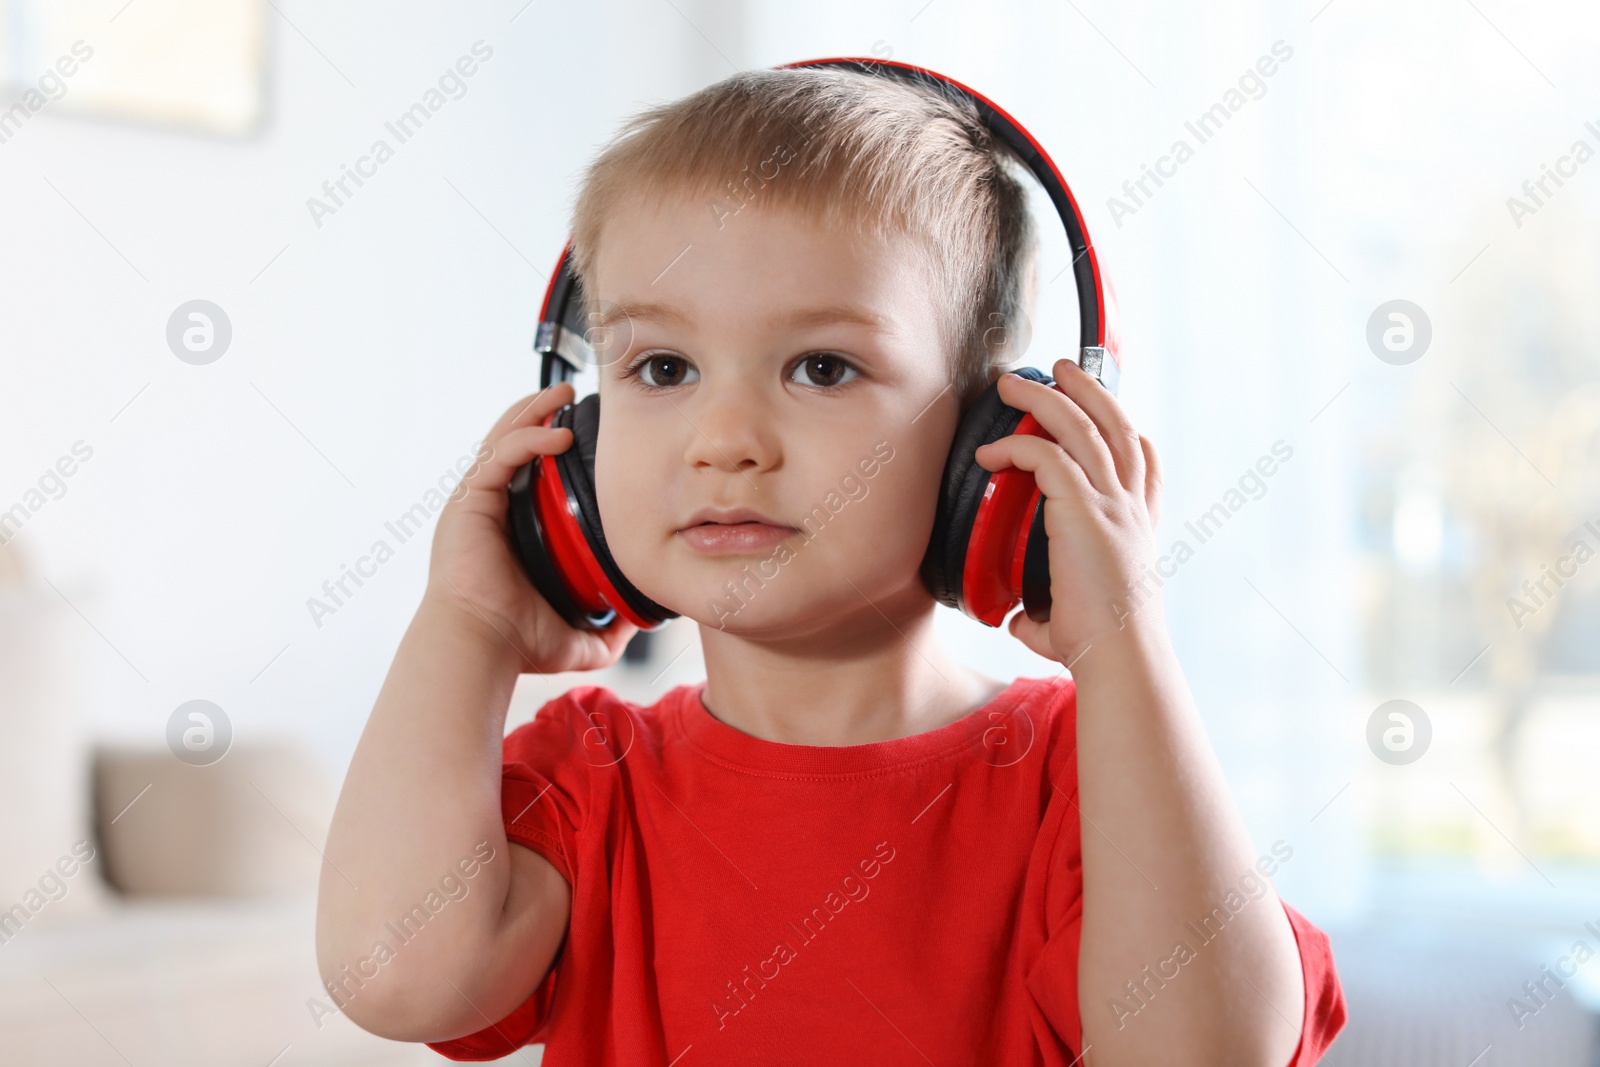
[(531, 409), (1152, 480), (1053, 470), (597, 649), (1115, 428), (1074, 431), (499, 461), (616, 638)]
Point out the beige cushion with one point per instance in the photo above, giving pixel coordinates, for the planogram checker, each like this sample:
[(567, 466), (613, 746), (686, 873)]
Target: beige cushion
[(253, 823)]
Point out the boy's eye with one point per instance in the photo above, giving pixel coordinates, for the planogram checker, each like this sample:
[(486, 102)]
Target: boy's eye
[(824, 369), (663, 371)]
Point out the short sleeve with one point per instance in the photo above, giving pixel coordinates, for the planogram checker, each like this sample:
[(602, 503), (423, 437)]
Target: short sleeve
[(1052, 932), (1325, 1011), (1054, 984), (541, 797)]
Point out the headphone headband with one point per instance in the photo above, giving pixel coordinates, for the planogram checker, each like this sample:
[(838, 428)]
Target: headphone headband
[(561, 337)]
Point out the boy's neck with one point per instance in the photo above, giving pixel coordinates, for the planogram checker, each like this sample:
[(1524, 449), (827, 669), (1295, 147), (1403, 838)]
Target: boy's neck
[(854, 684)]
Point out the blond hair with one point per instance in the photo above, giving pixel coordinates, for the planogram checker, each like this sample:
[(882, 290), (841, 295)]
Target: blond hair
[(871, 156)]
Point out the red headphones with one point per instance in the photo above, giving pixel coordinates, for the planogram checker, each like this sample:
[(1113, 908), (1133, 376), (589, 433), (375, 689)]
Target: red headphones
[(988, 547)]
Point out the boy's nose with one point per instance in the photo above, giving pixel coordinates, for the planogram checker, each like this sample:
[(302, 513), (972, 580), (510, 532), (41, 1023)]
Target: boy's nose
[(732, 429)]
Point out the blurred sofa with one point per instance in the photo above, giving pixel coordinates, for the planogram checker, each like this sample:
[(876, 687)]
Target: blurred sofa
[(152, 912)]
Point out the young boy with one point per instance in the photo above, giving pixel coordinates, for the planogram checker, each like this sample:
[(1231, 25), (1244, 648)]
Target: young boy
[(843, 846)]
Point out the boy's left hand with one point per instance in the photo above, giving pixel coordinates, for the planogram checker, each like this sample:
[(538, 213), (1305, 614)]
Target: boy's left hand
[(1101, 481)]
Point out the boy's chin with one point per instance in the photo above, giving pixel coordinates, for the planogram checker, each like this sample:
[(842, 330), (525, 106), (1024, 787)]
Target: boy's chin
[(769, 612), (801, 612), (762, 616)]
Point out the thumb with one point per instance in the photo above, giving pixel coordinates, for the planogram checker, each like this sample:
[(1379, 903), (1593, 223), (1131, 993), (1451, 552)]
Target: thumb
[(1035, 635), (605, 647)]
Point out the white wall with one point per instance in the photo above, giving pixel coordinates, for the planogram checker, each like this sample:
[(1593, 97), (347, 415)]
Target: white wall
[(369, 356)]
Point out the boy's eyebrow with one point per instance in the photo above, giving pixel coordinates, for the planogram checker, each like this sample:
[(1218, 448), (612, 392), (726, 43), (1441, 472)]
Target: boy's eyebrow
[(805, 318), (623, 310), (802, 318)]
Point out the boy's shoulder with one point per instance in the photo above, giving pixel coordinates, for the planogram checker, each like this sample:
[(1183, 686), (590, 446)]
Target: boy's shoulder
[(594, 724), (1033, 716)]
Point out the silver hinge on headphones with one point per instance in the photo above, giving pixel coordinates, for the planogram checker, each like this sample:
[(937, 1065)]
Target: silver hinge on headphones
[(1097, 362), (568, 344)]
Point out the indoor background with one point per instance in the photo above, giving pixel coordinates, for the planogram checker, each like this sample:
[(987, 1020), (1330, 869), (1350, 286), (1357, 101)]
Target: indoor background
[(1376, 251)]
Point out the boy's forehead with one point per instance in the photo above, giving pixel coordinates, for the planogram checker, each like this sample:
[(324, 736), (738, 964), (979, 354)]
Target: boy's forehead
[(661, 262)]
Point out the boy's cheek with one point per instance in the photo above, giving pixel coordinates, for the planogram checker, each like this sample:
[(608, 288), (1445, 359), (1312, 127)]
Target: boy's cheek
[(634, 490), (641, 504)]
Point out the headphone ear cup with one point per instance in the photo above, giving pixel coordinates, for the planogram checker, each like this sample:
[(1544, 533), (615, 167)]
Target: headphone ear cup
[(576, 465), (987, 419), (530, 541)]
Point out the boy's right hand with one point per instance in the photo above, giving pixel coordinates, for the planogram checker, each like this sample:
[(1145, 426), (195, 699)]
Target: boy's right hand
[(473, 570)]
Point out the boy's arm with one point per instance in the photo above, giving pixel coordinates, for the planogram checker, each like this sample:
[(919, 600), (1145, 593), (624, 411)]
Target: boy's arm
[(1162, 842), (1162, 846), (421, 800), (422, 792)]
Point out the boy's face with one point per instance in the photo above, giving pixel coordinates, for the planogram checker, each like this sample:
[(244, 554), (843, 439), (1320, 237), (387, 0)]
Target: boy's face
[(752, 395)]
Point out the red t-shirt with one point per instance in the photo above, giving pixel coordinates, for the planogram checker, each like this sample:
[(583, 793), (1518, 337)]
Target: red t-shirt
[(736, 900)]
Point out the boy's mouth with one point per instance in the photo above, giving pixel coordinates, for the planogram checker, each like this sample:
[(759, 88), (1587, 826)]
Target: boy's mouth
[(729, 531)]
